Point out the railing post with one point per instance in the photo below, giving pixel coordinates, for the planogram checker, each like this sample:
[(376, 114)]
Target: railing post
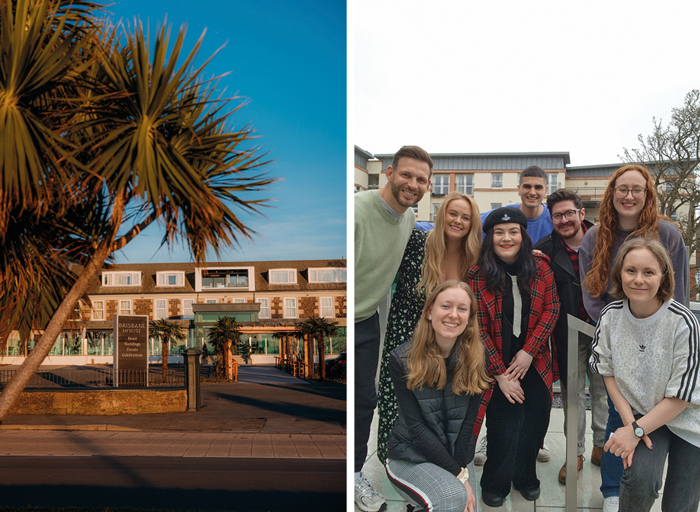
[(576, 326), (192, 384)]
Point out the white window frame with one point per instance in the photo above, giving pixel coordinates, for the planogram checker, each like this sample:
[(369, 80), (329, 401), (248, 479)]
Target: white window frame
[(122, 309), (239, 301), (108, 278), (211, 301), (291, 274), (164, 309), (552, 182), (467, 184), (98, 313), (496, 205), (264, 306), (331, 306), (285, 307), (496, 180), (185, 308), (441, 184), (342, 278), (163, 276)]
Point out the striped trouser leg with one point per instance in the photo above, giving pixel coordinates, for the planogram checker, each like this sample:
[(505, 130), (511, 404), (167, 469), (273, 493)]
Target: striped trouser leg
[(429, 487)]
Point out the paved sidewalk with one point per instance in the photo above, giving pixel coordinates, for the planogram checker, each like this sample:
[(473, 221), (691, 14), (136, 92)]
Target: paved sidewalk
[(268, 413)]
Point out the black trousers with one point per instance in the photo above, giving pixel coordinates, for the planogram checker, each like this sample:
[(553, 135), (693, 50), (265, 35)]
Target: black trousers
[(367, 341), (514, 434)]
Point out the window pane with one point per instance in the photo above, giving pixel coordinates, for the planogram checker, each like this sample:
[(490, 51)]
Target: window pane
[(124, 307), (327, 307), (187, 308), (290, 308), (497, 180), (98, 310), (465, 184), (161, 311), (441, 184), (264, 308)]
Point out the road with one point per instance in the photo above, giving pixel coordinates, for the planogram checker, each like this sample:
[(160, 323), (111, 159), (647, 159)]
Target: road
[(174, 483)]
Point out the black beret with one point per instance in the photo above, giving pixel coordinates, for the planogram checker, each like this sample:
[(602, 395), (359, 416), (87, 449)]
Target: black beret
[(504, 215)]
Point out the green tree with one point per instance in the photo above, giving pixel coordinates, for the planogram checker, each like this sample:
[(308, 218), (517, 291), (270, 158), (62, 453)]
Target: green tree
[(319, 328), (225, 333), (103, 135), (167, 331), (672, 155)]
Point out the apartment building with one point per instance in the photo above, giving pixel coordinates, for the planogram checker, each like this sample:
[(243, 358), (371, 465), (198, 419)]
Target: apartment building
[(265, 297)]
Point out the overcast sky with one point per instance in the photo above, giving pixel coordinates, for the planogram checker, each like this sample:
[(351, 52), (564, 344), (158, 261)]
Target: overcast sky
[(467, 76)]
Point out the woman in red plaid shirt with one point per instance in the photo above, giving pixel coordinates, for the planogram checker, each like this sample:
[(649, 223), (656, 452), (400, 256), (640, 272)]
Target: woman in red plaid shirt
[(518, 307)]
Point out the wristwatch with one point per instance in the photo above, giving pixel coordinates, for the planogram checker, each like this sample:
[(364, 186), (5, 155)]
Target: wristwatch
[(465, 475), (638, 431)]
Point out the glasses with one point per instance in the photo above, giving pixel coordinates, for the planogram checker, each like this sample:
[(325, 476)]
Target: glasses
[(568, 214), (637, 193)]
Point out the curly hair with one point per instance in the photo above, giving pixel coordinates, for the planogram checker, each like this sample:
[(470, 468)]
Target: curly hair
[(426, 367), (435, 246), (596, 280)]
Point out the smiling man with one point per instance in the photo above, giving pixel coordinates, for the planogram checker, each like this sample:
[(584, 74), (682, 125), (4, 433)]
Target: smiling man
[(532, 190), (562, 247), (384, 221)]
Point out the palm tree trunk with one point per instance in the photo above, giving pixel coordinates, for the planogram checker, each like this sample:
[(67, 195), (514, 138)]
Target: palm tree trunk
[(321, 357), (31, 364), (165, 353), (309, 360), (229, 366)]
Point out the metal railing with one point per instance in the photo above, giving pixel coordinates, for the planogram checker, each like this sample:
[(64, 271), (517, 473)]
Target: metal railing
[(98, 378)]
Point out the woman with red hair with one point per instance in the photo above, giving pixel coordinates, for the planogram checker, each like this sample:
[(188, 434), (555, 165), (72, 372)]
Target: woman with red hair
[(628, 210)]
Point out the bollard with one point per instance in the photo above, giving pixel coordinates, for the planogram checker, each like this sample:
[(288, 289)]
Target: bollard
[(192, 380)]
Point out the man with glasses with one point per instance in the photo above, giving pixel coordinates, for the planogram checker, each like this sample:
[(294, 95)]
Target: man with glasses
[(562, 247)]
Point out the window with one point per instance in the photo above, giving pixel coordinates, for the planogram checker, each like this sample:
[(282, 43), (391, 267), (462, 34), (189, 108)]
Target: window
[(187, 311), (121, 279), (373, 181), (170, 278), (264, 308), (415, 208), (161, 309), (441, 184), (496, 205), (436, 209), (210, 301), (98, 310), (497, 180), (328, 275), (327, 307), (465, 184), (669, 187), (552, 183), (283, 276), (290, 307), (239, 301), (124, 307), (222, 278)]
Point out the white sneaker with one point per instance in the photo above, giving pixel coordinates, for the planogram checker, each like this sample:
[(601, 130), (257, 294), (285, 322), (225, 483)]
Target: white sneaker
[(611, 504), (367, 498), (543, 455), (480, 453)]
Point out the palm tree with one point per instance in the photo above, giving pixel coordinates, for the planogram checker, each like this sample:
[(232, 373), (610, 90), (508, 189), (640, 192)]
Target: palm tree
[(167, 331), (319, 328), (103, 136), (222, 335)]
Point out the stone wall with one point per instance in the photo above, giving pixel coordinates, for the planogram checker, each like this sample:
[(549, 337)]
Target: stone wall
[(101, 403)]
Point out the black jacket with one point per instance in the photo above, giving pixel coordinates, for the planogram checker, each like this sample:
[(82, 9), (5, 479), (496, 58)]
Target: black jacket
[(568, 289), (434, 425)]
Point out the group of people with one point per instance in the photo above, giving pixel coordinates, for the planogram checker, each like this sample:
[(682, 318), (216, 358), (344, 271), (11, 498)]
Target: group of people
[(477, 330)]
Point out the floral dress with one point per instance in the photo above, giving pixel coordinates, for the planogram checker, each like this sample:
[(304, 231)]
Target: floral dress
[(406, 307)]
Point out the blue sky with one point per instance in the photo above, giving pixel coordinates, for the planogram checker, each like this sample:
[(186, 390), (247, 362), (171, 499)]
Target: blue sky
[(288, 59)]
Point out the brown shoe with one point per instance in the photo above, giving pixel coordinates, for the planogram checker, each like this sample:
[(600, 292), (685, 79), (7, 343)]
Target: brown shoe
[(597, 455), (562, 471)]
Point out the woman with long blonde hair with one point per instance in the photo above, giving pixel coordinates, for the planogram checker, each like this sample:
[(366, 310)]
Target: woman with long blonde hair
[(438, 379), (446, 252), (628, 210)]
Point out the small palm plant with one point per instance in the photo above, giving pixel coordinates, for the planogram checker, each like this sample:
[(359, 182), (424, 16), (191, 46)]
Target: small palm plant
[(222, 335), (167, 331)]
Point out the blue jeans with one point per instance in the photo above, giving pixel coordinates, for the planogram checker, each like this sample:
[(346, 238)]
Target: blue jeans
[(367, 341), (641, 482), (611, 466)]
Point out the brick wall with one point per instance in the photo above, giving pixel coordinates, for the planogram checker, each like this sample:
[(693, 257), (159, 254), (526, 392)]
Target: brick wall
[(276, 307), (307, 307), (111, 307), (174, 307), (143, 307), (341, 307)]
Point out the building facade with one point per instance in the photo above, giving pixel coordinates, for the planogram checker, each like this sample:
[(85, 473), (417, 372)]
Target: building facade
[(265, 297)]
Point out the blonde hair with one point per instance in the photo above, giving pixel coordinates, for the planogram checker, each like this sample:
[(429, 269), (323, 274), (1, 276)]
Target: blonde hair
[(657, 249), (426, 367), (435, 246)]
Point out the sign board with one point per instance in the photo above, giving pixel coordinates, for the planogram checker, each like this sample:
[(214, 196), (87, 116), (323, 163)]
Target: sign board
[(130, 350)]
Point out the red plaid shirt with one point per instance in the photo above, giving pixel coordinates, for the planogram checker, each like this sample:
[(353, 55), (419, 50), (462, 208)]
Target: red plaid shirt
[(544, 311)]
